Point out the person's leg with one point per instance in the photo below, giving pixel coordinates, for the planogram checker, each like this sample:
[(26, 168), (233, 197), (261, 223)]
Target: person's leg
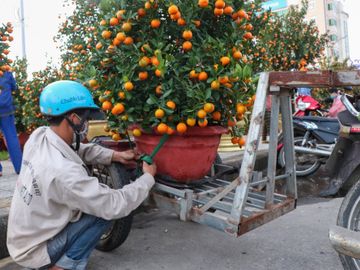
[(71, 248), (1, 169), (12, 141)]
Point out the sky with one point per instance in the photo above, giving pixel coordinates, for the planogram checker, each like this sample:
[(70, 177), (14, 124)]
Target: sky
[(42, 22)]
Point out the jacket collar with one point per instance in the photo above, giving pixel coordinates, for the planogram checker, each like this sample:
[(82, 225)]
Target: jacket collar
[(62, 146)]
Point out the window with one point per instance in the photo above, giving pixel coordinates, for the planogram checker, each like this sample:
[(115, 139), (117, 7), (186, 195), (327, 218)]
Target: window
[(333, 37), (332, 22), (330, 6)]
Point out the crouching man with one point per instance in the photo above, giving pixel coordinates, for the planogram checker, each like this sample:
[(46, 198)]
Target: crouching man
[(58, 211)]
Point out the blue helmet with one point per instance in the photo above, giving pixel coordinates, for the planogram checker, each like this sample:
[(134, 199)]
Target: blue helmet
[(60, 97)]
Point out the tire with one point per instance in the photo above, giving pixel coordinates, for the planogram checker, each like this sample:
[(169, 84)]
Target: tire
[(307, 169), (115, 176), (349, 217)]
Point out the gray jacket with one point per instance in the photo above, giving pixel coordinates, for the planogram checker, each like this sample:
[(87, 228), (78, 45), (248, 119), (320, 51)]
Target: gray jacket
[(54, 188)]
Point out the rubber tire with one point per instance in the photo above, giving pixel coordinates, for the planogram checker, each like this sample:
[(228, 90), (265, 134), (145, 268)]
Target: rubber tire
[(120, 229), (350, 202), (350, 182), (281, 162)]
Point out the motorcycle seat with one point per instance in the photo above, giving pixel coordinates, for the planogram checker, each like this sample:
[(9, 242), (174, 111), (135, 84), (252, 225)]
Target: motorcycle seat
[(315, 119), (347, 119)]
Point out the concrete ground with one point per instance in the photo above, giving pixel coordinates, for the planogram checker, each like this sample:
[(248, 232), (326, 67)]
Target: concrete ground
[(159, 240), (296, 241)]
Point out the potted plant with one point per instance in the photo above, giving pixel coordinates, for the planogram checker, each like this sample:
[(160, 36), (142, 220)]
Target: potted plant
[(178, 68)]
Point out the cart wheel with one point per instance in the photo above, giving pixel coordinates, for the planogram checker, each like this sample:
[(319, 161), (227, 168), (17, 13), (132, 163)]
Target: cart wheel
[(115, 176)]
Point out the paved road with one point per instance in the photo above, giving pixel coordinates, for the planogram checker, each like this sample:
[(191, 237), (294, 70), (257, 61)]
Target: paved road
[(296, 241)]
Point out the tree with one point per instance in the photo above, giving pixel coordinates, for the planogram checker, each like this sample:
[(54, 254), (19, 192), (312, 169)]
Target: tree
[(5, 38), (291, 41)]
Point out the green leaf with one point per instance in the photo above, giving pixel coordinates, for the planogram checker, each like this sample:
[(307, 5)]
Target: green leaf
[(152, 100), (208, 93)]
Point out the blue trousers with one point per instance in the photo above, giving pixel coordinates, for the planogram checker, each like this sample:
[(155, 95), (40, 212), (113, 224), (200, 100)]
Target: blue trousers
[(71, 248), (7, 126)]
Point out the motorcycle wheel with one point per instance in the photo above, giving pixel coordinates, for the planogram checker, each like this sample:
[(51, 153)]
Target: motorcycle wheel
[(349, 217), (301, 169), (115, 176)]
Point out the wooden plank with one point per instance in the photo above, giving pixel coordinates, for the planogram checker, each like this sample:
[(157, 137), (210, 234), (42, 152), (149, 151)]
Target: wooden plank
[(321, 78), (349, 78), (272, 158), (301, 79), (288, 131), (252, 144)]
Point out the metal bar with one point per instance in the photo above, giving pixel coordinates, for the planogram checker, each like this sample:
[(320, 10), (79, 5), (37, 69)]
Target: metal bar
[(257, 195), (262, 217), (219, 196), (216, 221), (206, 192), (220, 205), (305, 150), (264, 181), (282, 176), (247, 166), (228, 199), (346, 78), (271, 169), (301, 79), (324, 78), (222, 181), (288, 132), (171, 190), (185, 205), (345, 241), (249, 203)]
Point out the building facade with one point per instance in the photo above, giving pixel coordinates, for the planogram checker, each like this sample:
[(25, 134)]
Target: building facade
[(329, 16)]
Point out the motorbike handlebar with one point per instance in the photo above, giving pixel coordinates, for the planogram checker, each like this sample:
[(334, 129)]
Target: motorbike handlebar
[(348, 105)]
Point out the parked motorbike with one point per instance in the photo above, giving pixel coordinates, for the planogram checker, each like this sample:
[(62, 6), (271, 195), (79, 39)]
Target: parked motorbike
[(314, 139), (307, 105), (346, 174)]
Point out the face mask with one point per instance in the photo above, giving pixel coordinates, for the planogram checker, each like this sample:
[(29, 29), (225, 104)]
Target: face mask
[(82, 133), (332, 97)]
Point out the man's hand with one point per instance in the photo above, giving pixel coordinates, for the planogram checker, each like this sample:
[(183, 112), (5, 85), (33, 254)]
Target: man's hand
[(149, 168), (127, 157)]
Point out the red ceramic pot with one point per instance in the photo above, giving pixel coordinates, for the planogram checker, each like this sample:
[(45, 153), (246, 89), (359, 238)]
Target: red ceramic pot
[(184, 157)]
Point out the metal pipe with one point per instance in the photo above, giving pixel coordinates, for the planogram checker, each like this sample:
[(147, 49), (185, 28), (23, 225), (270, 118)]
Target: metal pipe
[(22, 23), (305, 150), (345, 241)]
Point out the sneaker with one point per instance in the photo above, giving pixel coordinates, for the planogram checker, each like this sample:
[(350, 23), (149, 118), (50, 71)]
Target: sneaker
[(332, 189)]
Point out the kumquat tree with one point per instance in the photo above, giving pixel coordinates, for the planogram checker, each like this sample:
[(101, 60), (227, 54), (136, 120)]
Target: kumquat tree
[(169, 66), (5, 38), (292, 42), (76, 38)]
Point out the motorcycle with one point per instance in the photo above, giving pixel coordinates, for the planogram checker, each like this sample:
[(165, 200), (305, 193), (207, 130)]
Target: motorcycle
[(307, 105), (345, 238), (314, 140)]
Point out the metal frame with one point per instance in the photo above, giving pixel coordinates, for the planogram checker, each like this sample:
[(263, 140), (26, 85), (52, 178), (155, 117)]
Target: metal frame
[(249, 200)]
